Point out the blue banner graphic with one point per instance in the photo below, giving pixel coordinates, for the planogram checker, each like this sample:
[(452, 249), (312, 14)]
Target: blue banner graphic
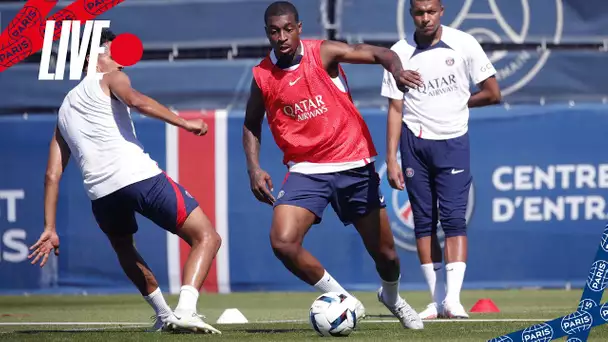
[(539, 188), (578, 321), (591, 293), (578, 324)]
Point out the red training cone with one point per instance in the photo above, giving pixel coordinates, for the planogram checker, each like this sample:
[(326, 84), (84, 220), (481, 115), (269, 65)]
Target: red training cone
[(485, 305)]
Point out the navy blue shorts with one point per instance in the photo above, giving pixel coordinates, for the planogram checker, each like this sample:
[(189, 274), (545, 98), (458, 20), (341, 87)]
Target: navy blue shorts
[(438, 179), (158, 198), (352, 193)]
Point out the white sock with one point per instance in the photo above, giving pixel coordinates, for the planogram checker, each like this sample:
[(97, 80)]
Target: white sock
[(433, 273), (188, 297), (390, 291), (455, 277), (329, 284), (157, 302)]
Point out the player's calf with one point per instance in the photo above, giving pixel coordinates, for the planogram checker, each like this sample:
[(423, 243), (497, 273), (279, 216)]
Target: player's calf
[(296, 258), (133, 264), (387, 263), (142, 277), (455, 256), (377, 237), (289, 226), (204, 243)]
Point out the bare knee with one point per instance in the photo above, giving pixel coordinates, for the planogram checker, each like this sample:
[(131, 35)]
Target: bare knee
[(214, 239), (284, 245), (284, 248), (383, 253), (289, 226), (198, 230), (207, 236), (388, 253)]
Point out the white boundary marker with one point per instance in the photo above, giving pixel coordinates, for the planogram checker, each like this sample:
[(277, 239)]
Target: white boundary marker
[(134, 324)]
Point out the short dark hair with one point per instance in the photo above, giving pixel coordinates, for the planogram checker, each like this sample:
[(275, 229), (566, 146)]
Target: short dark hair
[(281, 8), (412, 2), (106, 36)]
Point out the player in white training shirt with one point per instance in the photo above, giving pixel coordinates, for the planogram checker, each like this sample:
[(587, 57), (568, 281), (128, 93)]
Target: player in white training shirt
[(429, 124), (94, 125)]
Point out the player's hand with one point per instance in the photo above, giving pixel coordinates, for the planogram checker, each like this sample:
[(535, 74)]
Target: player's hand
[(408, 79), (48, 241), (395, 175), (196, 126), (261, 186)]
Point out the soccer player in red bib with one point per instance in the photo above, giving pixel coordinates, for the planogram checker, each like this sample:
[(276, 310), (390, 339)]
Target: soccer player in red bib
[(327, 148)]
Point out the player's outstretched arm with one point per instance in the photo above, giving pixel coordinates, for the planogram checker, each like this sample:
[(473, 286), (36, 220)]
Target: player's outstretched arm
[(261, 184), (120, 85), (59, 155), (334, 52)]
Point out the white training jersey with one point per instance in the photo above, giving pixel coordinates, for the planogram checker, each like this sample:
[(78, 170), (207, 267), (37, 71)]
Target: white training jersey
[(101, 136), (438, 110)]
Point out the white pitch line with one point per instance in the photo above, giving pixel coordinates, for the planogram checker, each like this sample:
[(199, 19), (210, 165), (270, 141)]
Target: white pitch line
[(134, 324), (488, 320), (86, 329), (73, 323)]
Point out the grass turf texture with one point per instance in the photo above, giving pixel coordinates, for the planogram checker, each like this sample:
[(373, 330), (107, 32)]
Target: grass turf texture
[(272, 317)]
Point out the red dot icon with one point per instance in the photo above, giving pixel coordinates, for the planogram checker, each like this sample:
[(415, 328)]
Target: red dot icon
[(126, 49)]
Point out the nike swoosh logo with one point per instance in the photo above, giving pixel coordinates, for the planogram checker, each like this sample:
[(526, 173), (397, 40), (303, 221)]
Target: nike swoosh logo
[(291, 83), (455, 172), (436, 269)]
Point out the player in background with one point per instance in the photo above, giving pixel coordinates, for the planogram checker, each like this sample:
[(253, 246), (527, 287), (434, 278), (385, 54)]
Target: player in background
[(430, 123), (328, 151), (94, 125)]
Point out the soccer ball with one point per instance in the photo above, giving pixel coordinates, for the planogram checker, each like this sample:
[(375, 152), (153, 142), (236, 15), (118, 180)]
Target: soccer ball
[(333, 314)]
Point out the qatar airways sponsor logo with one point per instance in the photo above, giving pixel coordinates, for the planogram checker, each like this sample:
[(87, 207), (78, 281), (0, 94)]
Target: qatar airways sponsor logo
[(439, 86), (306, 109)]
